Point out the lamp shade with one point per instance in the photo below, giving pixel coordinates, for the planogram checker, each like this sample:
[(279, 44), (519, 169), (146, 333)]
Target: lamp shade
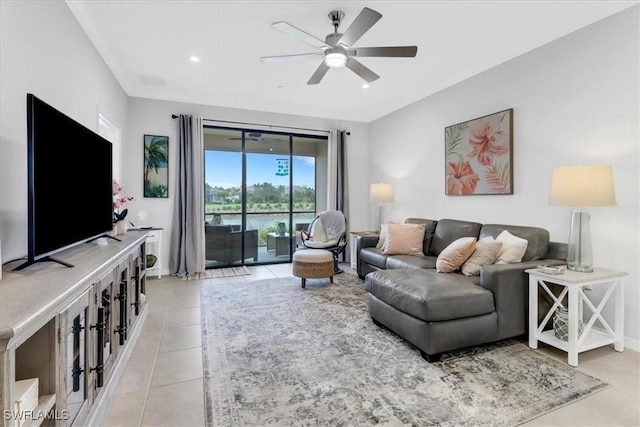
[(381, 193), (582, 186)]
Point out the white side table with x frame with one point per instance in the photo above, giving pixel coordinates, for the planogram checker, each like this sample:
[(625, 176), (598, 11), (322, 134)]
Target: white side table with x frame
[(574, 286)]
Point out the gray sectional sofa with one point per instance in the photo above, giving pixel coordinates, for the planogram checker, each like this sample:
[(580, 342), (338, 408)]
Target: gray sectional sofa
[(439, 312)]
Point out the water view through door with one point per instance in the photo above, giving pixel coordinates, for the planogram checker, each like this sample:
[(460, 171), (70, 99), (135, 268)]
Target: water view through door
[(261, 190)]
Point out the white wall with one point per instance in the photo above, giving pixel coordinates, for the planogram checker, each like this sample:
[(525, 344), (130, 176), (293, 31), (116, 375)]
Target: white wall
[(44, 51), (147, 116), (575, 101)]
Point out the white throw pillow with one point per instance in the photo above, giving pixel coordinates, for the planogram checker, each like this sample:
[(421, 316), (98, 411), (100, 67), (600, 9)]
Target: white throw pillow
[(382, 240), (486, 253), (384, 234), (513, 248)]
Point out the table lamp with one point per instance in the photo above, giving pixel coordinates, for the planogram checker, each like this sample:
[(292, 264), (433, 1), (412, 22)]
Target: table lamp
[(581, 186), (380, 193)]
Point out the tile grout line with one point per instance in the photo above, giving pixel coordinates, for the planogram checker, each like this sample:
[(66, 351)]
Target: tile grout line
[(155, 359)]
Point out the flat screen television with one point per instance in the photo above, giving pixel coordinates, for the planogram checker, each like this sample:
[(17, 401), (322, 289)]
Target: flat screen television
[(70, 187)]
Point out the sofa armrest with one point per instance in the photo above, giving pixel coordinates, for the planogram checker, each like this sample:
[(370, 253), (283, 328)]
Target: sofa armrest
[(510, 286), (366, 242), (363, 242), (557, 250)]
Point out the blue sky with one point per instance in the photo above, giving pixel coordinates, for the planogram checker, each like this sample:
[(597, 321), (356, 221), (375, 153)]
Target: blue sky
[(224, 169)]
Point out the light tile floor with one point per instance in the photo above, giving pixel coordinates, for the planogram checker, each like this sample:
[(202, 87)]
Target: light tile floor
[(162, 384)]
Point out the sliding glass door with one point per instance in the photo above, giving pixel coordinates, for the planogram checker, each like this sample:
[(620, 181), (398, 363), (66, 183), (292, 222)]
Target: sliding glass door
[(261, 190)]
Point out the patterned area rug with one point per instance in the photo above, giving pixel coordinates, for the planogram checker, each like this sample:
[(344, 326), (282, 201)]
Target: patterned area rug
[(276, 354)]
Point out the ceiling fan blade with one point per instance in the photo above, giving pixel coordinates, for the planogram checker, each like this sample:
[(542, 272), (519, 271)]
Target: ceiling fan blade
[(319, 74), (389, 51), (361, 70), (365, 20), (299, 34), (290, 58)]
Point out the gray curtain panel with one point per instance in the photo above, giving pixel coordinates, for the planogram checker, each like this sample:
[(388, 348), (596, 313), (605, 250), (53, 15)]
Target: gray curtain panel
[(342, 187), (186, 253)]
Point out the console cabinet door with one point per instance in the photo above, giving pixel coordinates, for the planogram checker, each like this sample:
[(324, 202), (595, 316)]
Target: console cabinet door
[(76, 338), (103, 325)]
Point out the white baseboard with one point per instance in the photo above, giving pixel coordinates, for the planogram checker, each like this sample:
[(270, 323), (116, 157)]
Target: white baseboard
[(632, 344)]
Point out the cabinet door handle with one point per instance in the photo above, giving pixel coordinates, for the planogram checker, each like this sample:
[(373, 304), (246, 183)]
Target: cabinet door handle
[(76, 371), (122, 327), (99, 368)]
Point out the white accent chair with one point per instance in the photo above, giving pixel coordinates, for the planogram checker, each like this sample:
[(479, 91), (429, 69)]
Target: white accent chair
[(327, 231)]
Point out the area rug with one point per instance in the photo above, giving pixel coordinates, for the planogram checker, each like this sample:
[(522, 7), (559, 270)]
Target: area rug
[(214, 273), (277, 354)]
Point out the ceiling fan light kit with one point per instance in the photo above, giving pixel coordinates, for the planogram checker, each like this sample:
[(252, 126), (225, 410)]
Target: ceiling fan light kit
[(337, 47), (335, 59)]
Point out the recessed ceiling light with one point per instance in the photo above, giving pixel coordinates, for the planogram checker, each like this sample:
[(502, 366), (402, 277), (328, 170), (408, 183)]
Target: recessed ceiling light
[(194, 59), (365, 85)]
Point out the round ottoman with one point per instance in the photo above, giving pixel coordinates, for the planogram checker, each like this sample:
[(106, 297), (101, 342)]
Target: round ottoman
[(312, 264)]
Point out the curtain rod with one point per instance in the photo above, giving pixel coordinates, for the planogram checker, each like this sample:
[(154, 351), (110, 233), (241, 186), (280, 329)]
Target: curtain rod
[(174, 116)]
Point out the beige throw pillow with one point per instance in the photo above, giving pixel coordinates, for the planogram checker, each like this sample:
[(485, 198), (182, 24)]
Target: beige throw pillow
[(486, 253), (454, 255), (404, 239), (513, 248)]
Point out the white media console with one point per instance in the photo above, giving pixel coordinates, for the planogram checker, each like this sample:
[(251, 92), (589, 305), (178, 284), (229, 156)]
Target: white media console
[(72, 329)]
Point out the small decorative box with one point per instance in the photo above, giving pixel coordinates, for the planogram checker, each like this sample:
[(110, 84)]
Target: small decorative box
[(549, 269)]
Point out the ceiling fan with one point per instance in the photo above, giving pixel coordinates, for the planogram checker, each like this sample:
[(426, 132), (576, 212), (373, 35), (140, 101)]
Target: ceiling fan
[(337, 48), (256, 137)]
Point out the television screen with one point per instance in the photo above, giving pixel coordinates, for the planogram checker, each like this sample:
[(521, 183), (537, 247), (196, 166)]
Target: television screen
[(70, 181)]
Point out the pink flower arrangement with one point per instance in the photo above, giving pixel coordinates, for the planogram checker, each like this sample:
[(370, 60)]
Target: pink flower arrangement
[(118, 201)]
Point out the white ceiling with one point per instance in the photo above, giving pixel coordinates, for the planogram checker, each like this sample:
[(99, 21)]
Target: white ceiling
[(147, 45)]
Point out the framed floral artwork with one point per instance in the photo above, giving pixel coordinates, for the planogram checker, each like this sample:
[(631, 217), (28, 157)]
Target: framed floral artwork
[(479, 155), (156, 166)]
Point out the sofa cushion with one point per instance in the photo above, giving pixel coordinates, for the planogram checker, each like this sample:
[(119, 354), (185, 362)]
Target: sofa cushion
[(404, 239), (374, 256), (429, 229), (448, 230), (430, 296), (409, 261), (538, 238), (453, 256)]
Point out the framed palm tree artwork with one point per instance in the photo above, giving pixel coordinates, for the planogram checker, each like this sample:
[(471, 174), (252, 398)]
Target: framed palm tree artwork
[(156, 166), (479, 155)]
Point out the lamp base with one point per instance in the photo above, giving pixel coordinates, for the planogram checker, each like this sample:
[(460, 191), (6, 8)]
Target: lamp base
[(580, 254), (379, 217), (580, 269)]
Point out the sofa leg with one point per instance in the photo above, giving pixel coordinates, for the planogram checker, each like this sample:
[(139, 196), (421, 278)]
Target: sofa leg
[(431, 358)]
